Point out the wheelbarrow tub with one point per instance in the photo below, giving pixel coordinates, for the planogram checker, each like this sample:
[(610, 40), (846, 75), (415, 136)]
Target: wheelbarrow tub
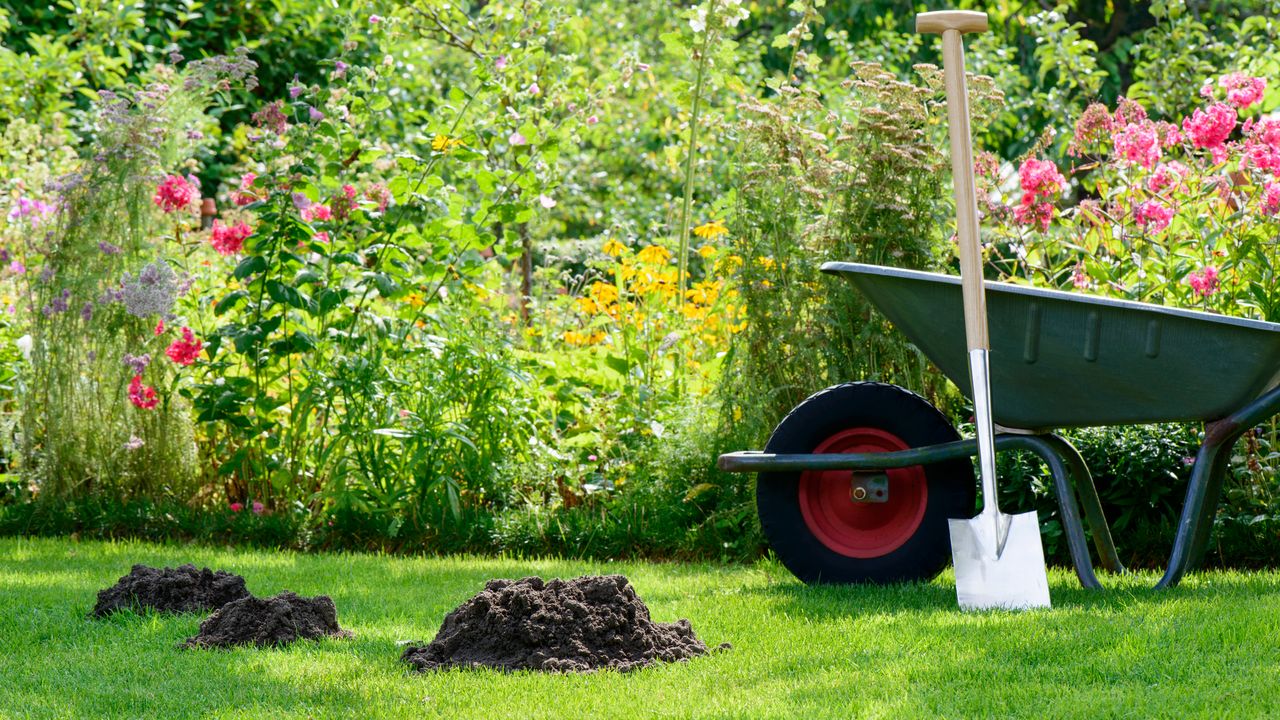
[(1062, 359)]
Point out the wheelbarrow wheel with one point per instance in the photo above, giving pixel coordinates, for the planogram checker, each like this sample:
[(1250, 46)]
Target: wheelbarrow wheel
[(825, 528)]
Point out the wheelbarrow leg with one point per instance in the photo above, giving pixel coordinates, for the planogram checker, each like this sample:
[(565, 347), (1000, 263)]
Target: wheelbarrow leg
[(1088, 492), (1060, 467), (1205, 487)]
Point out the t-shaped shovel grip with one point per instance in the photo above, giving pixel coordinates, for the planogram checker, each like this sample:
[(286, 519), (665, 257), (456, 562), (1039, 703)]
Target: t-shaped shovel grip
[(952, 24)]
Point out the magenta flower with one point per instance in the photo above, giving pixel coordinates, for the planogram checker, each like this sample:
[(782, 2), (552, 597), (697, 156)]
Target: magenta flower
[(592, 119), (321, 237), (534, 89), (1167, 175), (314, 114), (517, 139), (185, 350), (1040, 181), (375, 19), (1204, 282), (142, 396), (1270, 199), (17, 268), (1139, 143), (1210, 129), (228, 239), (258, 507), (1153, 215), (236, 507), (501, 62), (176, 192), (316, 211), (1242, 90)]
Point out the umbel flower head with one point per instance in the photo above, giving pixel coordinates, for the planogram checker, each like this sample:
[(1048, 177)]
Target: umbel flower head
[(152, 293)]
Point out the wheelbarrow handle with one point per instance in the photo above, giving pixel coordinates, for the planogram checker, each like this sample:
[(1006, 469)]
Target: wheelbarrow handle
[(952, 24)]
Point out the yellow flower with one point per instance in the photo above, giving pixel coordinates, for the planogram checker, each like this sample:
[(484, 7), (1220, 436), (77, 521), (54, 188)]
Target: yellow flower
[(613, 248), (444, 143), (587, 306), (706, 251), (655, 255), (765, 262), (415, 300), (604, 293), (710, 230)]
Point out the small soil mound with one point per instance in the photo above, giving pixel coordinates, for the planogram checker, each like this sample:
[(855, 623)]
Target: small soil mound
[(277, 620), (174, 590), (559, 626)]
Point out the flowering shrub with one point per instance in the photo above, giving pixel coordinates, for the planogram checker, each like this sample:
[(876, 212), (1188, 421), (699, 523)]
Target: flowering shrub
[(1178, 213)]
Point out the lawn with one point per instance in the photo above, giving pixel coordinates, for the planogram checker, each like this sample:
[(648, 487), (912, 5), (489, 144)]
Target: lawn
[(1208, 648)]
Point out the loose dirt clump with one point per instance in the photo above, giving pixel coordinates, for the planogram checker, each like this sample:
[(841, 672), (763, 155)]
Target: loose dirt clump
[(277, 620), (559, 626), (172, 590)]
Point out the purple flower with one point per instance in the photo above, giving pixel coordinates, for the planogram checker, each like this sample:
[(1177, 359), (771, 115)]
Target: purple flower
[(134, 443), (340, 69), (375, 19), (108, 249), (314, 114), (501, 62), (517, 139), (534, 89), (137, 363), (592, 119), (295, 89), (33, 211), (86, 311), (300, 201)]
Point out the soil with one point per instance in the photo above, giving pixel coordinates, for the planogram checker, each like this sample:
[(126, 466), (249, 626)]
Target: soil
[(277, 620), (172, 590), (576, 625)]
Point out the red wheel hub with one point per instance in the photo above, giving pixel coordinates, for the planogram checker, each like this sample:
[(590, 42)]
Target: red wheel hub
[(858, 529)]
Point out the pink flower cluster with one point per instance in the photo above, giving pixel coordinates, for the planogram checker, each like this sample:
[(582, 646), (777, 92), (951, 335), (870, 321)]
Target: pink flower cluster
[(185, 350), (1261, 147), (1242, 90), (1271, 199), (1210, 129), (229, 239), (1167, 176), (176, 192), (245, 194), (1139, 143), (1153, 215), (1204, 282), (1040, 181), (316, 211), (142, 396)]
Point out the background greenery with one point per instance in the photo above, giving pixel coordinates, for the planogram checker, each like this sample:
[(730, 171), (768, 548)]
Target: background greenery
[(543, 415)]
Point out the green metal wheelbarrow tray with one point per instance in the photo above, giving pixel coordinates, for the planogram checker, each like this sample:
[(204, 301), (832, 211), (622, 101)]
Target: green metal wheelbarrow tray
[(856, 483)]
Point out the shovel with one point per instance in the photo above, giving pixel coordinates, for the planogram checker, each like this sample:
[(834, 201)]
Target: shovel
[(998, 558)]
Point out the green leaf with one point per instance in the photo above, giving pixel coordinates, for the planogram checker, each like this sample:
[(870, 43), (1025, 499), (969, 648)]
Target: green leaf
[(251, 265), (231, 300)]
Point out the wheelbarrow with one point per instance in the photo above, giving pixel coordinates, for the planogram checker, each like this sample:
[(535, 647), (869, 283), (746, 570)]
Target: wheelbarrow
[(856, 484)]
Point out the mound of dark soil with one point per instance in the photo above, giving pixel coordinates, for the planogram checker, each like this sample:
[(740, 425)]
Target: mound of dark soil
[(277, 620), (177, 590), (559, 626)]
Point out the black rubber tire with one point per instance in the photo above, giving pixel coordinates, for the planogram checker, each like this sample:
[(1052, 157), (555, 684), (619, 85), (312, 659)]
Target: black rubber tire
[(952, 488)]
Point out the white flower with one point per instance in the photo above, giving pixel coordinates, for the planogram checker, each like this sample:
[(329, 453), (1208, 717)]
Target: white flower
[(546, 201), (24, 346), (699, 20)]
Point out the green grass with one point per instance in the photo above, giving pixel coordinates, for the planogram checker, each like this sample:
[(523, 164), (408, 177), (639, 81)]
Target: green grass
[(1210, 648)]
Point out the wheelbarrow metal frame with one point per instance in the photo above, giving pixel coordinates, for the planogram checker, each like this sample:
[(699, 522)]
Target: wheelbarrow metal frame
[(1071, 480)]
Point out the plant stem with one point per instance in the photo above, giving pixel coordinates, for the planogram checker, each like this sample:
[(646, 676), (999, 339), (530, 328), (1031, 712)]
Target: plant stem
[(683, 279)]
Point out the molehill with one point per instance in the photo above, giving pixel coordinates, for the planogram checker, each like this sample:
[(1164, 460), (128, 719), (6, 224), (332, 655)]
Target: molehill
[(262, 622), (578, 625), (172, 590)]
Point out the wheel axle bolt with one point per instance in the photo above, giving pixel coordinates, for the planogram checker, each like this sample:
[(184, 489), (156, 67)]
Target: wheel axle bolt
[(859, 493)]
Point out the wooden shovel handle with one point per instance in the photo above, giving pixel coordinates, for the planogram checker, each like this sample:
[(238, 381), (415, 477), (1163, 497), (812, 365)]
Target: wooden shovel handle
[(952, 24)]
